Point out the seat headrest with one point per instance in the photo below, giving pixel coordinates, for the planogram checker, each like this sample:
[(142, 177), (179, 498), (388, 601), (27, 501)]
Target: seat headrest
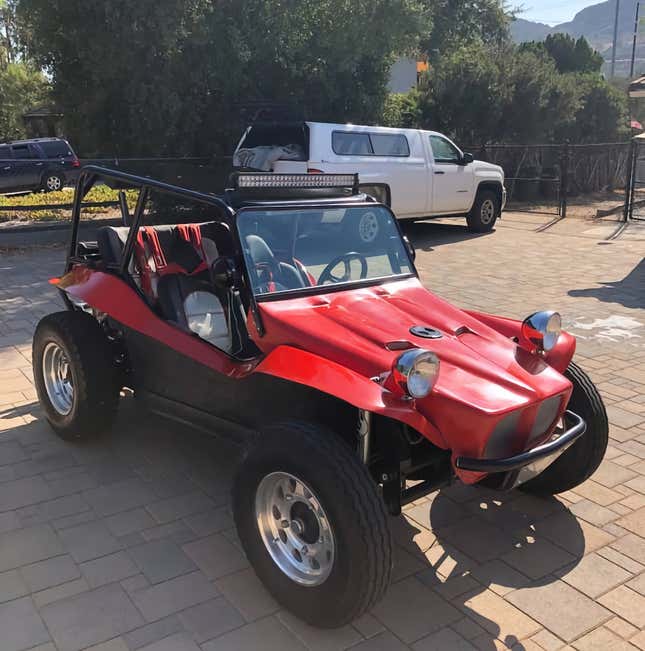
[(259, 250)]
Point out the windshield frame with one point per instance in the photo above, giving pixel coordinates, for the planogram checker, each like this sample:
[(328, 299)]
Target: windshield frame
[(319, 289)]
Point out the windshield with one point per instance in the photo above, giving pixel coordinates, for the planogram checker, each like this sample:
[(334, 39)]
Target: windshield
[(294, 249)]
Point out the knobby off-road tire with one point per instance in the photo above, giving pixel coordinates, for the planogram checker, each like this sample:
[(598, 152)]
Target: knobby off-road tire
[(582, 459), (484, 213), (362, 558), (86, 404)]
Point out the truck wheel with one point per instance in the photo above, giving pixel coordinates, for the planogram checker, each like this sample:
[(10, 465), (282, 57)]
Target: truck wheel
[(484, 212), (53, 182), (312, 524), (582, 459), (75, 375), (364, 230)]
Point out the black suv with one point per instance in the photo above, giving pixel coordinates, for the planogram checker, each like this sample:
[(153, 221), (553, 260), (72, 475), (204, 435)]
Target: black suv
[(38, 164)]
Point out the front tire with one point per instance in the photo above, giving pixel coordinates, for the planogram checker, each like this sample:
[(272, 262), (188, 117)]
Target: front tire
[(484, 213), (312, 524), (75, 375), (582, 459)]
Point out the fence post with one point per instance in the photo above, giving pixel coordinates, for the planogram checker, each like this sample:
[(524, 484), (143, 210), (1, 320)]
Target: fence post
[(564, 178), (630, 184)]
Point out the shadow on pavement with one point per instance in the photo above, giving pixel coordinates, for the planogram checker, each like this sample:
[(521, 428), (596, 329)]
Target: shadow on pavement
[(427, 235), (628, 291), (474, 540)]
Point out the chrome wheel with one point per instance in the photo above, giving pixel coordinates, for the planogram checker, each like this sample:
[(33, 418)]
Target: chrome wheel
[(57, 376), (368, 228), (487, 212), (294, 528), (54, 183)]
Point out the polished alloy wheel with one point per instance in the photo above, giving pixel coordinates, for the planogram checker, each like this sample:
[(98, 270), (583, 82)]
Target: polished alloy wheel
[(487, 212), (368, 227), (57, 376), (294, 528), (53, 183)]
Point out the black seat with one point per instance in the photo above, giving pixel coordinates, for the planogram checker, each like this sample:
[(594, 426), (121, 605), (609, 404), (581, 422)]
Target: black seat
[(111, 242), (268, 269)]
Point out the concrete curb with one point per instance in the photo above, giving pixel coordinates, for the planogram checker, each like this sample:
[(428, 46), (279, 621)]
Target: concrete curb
[(15, 237)]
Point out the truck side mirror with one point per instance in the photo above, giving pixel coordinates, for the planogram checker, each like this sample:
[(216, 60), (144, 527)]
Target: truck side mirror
[(467, 159)]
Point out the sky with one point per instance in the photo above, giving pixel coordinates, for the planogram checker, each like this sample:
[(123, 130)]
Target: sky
[(553, 12)]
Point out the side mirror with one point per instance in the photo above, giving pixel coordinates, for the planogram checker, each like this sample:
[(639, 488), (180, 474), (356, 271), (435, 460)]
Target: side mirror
[(410, 247), (467, 159), (223, 273)]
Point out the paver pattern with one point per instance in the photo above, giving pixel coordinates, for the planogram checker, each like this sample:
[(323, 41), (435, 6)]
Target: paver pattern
[(127, 542)]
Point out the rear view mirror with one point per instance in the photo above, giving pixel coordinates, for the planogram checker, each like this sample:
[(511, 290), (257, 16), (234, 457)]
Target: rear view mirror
[(467, 159), (410, 247)]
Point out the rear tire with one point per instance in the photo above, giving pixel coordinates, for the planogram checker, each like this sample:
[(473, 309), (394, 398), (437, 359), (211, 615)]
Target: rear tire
[(484, 213), (354, 572), (53, 182), (75, 375), (582, 459)]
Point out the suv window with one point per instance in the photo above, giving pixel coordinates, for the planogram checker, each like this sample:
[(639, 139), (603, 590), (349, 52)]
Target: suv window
[(444, 151), (55, 149), (23, 151), (344, 143), (5, 153)]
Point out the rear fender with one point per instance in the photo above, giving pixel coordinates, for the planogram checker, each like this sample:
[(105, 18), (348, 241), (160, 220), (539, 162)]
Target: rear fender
[(345, 384), (558, 357)]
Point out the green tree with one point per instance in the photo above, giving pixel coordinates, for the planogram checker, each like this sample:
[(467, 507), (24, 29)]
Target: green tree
[(569, 54), (456, 23), (21, 88), (168, 76)]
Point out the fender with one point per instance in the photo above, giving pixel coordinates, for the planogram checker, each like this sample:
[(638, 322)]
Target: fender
[(110, 294), (558, 357), (328, 377)]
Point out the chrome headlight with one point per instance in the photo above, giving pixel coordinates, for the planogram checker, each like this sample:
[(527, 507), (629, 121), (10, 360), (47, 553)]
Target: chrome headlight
[(542, 330), (416, 372)]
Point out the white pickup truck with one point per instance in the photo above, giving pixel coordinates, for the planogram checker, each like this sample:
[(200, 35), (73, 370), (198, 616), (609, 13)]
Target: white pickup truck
[(420, 174)]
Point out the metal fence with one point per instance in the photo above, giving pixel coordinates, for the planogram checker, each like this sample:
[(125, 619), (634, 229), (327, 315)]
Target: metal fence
[(541, 178)]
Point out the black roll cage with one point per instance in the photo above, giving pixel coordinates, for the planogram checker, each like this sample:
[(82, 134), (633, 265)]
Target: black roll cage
[(90, 174)]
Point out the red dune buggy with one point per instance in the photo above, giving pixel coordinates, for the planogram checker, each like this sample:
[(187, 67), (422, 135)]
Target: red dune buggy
[(256, 315)]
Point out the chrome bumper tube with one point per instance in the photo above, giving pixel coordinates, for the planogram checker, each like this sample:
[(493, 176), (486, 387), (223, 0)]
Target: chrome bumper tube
[(548, 451)]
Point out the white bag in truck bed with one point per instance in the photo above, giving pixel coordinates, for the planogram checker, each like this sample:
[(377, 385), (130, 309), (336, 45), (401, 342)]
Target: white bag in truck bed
[(262, 158)]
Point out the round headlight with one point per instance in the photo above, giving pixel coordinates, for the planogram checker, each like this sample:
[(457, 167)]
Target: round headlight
[(542, 330), (416, 372)]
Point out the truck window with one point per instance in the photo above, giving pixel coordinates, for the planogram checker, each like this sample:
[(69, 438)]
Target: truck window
[(351, 144), (444, 151), (346, 143), (387, 144)]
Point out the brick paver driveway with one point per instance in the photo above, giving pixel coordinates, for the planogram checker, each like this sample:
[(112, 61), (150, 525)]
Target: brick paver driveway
[(128, 543)]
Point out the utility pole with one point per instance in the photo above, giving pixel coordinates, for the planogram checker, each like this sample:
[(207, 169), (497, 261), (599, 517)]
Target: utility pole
[(613, 47), (631, 69)]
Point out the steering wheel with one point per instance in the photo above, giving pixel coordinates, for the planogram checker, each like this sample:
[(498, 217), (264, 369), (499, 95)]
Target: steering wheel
[(346, 259)]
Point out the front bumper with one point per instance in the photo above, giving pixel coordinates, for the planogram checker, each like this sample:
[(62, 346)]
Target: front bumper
[(533, 461)]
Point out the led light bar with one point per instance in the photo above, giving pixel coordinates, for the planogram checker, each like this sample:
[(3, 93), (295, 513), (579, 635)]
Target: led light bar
[(248, 180)]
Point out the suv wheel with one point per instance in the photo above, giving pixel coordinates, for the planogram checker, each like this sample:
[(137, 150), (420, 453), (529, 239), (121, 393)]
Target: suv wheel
[(484, 213), (75, 375), (53, 182), (312, 524)]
